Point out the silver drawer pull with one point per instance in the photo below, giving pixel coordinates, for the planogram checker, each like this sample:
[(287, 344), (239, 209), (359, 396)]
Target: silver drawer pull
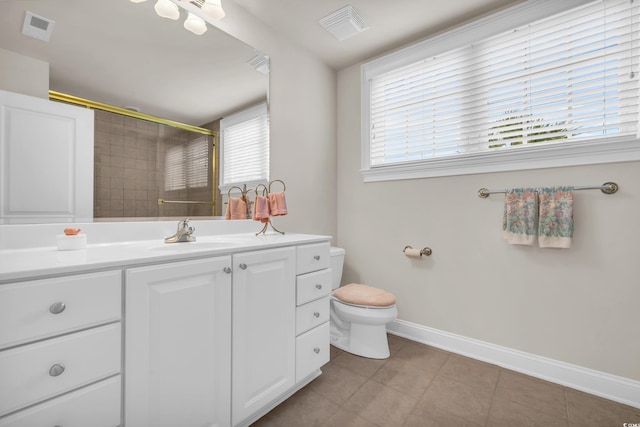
[(57, 307), (317, 257), (56, 370), (316, 314), (227, 270), (316, 350), (318, 286), (243, 266)]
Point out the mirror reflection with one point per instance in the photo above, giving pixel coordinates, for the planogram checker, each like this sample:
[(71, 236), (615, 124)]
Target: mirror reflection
[(123, 54)]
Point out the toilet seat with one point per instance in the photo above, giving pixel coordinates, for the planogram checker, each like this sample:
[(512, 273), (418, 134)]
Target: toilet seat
[(359, 295), (370, 307)]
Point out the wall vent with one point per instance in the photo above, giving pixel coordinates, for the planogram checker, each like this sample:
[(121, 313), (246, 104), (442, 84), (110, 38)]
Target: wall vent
[(37, 27), (344, 23)]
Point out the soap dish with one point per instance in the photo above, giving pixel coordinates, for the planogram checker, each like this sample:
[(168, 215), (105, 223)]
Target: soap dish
[(71, 243)]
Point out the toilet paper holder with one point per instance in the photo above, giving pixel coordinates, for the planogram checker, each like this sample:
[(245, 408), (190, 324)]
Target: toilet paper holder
[(424, 251)]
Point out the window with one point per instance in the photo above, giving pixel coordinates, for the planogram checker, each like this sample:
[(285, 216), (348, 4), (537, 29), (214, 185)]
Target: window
[(187, 165), (244, 153), (538, 85)]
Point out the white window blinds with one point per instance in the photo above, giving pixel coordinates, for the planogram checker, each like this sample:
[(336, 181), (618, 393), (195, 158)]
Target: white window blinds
[(244, 141), (187, 165), (570, 77)]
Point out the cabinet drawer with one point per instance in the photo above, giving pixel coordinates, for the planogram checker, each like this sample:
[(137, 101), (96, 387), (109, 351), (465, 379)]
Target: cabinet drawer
[(27, 308), (312, 314), (312, 351), (87, 356), (312, 257), (97, 405), (312, 286)]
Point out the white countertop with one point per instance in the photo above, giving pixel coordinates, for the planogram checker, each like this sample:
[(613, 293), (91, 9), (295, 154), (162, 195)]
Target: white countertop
[(18, 264)]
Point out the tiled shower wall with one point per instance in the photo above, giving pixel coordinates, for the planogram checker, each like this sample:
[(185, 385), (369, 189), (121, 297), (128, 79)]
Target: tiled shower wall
[(129, 170)]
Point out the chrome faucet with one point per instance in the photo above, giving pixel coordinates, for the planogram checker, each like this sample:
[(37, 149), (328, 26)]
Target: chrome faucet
[(184, 233)]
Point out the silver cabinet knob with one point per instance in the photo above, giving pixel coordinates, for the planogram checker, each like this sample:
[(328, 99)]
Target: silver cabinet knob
[(227, 270), (57, 307), (56, 369), (316, 314), (316, 350), (318, 286), (317, 257), (243, 266)]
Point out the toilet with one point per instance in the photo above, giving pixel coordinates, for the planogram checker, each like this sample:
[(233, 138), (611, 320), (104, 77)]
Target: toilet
[(359, 314)]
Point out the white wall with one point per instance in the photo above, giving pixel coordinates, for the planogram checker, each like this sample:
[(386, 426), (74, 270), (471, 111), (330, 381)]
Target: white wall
[(578, 306), (21, 74), (302, 99)]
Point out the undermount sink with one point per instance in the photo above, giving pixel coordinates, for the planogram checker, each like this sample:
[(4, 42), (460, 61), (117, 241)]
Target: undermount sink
[(194, 246)]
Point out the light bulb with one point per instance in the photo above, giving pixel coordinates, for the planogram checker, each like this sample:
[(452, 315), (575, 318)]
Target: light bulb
[(195, 24), (213, 8), (167, 9), (137, 1)]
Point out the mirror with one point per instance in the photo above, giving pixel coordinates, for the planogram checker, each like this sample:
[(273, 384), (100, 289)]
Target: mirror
[(123, 54)]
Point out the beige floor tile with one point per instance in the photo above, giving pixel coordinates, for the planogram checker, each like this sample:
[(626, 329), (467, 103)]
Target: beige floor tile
[(380, 404), (396, 343), (336, 383), (458, 398), (532, 392), (421, 356), (305, 408), (334, 352), (427, 415), (472, 372), (360, 365), (586, 410), (348, 419), (505, 412), (404, 378)]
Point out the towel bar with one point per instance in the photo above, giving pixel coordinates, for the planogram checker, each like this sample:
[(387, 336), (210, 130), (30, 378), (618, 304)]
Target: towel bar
[(606, 188)]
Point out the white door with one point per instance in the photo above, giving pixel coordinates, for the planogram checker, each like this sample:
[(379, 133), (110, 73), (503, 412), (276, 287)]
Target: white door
[(46, 161), (263, 328), (178, 344)]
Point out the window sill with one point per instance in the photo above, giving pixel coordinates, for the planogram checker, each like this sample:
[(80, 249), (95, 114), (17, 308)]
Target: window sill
[(502, 160)]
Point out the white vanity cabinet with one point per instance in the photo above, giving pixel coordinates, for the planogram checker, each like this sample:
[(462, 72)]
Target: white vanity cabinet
[(178, 344), (313, 286), (60, 347), (263, 329)]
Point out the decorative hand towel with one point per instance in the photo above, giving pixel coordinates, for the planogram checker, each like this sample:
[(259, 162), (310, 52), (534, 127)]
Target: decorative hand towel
[(520, 216), (555, 228), (236, 209), (277, 203), (261, 209)]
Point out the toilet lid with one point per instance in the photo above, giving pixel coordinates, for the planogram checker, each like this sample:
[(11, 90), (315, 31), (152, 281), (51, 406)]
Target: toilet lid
[(355, 293)]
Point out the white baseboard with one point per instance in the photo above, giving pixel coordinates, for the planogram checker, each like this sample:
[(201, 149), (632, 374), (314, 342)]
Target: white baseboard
[(601, 384)]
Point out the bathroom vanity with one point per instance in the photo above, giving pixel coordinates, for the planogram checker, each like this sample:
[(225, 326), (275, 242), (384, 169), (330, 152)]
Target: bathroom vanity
[(141, 333)]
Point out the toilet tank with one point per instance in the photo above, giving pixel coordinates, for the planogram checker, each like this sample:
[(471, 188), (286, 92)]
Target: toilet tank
[(337, 262)]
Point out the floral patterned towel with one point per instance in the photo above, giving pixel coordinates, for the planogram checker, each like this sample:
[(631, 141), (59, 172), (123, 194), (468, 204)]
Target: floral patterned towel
[(555, 228), (520, 220)]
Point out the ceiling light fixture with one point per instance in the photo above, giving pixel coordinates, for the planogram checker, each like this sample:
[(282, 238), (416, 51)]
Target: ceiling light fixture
[(213, 8), (344, 23), (195, 24), (167, 9), (170, 9)]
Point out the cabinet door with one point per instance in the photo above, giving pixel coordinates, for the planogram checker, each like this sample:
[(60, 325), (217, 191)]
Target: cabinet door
[(46, 160), (263, 328), (178, 344)]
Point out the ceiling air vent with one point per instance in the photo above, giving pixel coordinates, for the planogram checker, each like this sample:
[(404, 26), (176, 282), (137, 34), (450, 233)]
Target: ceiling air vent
[(344, 23), (37, 27)]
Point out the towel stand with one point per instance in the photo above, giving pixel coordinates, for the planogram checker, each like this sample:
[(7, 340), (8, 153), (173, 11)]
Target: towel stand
[(606, 188)]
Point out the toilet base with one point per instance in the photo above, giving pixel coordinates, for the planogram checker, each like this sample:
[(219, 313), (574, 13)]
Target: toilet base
[(362, 340)]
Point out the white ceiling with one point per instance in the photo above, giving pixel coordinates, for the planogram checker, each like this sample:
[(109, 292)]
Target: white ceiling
[(392, 23), (121, 53)]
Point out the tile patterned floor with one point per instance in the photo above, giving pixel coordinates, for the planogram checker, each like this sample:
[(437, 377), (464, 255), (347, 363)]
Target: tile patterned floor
[(421, 386)]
